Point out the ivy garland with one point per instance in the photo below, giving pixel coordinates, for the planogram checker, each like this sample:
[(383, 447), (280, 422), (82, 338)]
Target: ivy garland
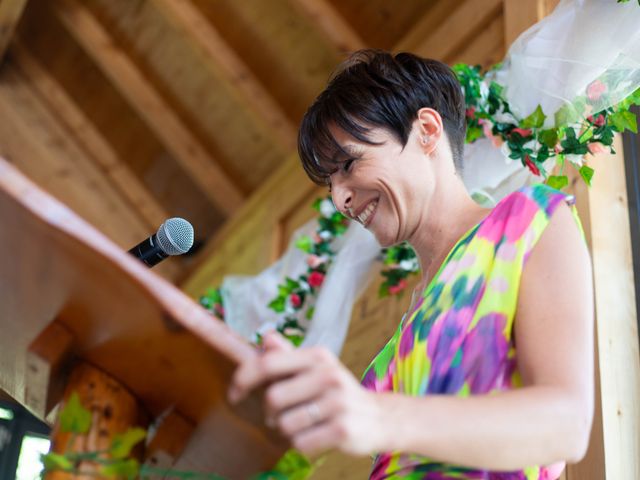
[(488, 115), (118, 463)]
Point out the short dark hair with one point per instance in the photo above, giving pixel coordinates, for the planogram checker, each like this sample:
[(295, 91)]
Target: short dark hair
[(373, 88)]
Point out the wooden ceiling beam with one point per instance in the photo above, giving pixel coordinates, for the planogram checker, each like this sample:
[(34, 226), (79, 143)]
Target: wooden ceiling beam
[(440, 36), (176, 137), (89, 137), (332, 25), (10, 13), (221, 58)]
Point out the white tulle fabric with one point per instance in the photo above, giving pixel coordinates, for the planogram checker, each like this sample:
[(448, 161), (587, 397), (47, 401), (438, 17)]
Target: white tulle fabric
[(550, 65), (245, 298)]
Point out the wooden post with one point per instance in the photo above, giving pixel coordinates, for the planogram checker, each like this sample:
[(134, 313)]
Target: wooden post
[(113, 410)]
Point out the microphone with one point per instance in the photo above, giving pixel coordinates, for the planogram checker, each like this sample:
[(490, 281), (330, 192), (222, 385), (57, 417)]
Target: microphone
[(174, 237)]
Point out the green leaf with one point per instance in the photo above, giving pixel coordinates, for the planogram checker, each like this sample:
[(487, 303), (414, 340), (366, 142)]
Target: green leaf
[(54, 461), (309, 314), (74, 417), (277, 305), (122, 444), (305, 243), (316, 204), (292, 284), (383, 291), (548, 137), (624, 120), (586, 173), (535, 120), (558, 182), (128, 468), (473, 133), (294, 465)]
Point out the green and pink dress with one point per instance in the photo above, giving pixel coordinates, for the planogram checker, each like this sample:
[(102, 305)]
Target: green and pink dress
[(458, 340)]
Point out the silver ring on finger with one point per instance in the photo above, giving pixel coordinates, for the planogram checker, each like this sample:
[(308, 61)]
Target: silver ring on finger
[(314, 412)]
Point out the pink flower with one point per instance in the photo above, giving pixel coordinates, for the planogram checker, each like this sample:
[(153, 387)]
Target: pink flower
[(595, 90), (595, 148), (598, 121), (532, 166), (522, 131), (219, 310), (470, 112), (395, 289), (314, 261), (295, 300), (486, 129), (315, 279)]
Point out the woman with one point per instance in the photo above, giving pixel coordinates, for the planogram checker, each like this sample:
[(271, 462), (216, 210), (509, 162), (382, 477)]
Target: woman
[(490, 372)]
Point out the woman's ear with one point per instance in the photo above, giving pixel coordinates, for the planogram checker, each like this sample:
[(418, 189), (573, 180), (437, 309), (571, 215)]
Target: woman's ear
[(429, 127)]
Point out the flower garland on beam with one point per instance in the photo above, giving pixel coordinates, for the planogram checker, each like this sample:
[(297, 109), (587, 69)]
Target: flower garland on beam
[(488, 115), (526, 139)]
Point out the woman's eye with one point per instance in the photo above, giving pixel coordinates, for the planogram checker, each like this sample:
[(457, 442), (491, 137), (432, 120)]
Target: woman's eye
[(346, 166)]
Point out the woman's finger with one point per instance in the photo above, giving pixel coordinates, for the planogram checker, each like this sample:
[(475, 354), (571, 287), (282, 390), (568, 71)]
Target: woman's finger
[(272, 365), (300, 388), (274, 341)]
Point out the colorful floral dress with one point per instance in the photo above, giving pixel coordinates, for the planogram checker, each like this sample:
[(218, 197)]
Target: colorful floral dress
[(458, 339)]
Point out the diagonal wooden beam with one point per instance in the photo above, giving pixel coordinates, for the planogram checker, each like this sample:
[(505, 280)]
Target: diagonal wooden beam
[(437, 36), (10, 13), (149, 104), (333, 25), (89, 137), (221, 58)]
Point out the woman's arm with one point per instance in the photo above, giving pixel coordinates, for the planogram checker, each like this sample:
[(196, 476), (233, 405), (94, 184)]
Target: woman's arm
[(317, 403)]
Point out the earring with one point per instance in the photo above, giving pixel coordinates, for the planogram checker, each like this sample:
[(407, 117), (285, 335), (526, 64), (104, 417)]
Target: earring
[(424, 139)]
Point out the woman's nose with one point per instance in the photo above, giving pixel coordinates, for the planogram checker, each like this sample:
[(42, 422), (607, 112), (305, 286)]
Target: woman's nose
[(342, 199)]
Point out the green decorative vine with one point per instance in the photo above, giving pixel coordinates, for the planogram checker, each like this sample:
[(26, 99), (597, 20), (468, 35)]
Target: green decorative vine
[(117, 462)]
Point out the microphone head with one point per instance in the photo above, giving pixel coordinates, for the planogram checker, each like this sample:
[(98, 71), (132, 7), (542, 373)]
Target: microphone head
[(175, 236)]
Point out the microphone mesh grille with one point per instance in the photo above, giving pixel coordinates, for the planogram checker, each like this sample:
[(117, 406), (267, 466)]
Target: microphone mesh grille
[(175, 236)]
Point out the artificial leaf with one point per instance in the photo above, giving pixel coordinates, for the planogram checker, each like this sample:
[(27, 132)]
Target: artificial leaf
[(558, 182), (294, 465), (305, 243), (74, 417), (54, 461), (473, 133), (277, 305), (548, 137), (122, 444), (535, 120), (128, 468), (624, 120), (586, 173)]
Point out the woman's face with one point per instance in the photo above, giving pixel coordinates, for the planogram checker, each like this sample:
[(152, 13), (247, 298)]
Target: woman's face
[(384, 187)]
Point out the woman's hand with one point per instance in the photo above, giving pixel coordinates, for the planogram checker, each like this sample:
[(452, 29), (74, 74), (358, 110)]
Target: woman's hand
[(312, 398)]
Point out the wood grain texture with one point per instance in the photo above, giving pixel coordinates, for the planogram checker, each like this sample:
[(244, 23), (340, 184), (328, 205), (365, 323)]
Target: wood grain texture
[(136, 327), (203, 169), (332, 25), (223, 59), (90, 138), (10, 12)]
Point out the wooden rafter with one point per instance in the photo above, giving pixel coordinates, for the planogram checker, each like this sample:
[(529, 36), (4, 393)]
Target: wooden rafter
[(333, 25), (149, 104), (10, 12), (89, 138), (223, 59), (458, 27)]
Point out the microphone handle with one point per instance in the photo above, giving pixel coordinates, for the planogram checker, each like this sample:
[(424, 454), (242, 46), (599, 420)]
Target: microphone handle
[(149, 251)]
